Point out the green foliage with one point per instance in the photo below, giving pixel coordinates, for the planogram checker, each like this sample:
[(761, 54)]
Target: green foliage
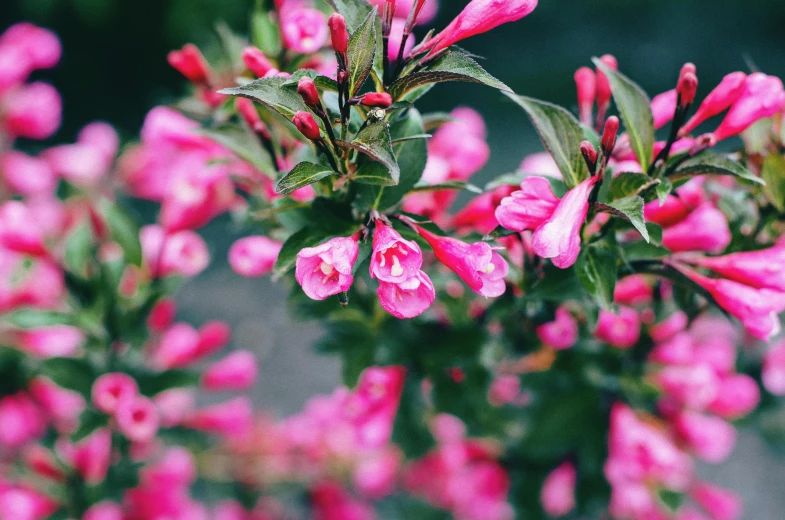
[(597, 270), (244, 144), (374, 141), (773, 174), (361, 52), (304, 174), (709, 163)]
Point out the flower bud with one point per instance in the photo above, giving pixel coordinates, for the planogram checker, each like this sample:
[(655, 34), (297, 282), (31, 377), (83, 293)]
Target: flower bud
[(603, 85), (376, 99), (687, 88), (247, 111), (619, 330), (586, 84), (235, 372), (33, 111), (137, 418), (720, 503), (190, 62), (254, 256), (718, 100), (339, 36), (213, 336), (589, 155), (307, 90), (307, 126), (663, 108), (774, 369), (558, 491), (609, 135), (109, 389), (256, 61)]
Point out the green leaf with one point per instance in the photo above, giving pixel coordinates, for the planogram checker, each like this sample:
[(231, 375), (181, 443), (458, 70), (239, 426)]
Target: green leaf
[(265, 33), (448, 185), (498, 232), (244, 144), (34, 318), (124, 231), (271, 93), (69, 373), (303, 174), (373, 173), (664, 188), (435, 120), (632, 209), (597, 269), (411, 138), (361, 51), (374, 141), (628, 183), (507, 179), (321, 82), (79, 247), (89, 421), (773, 173), (411, 157), (713, 164), (561, 134), (153, 383), (452, 66), (635, 110)]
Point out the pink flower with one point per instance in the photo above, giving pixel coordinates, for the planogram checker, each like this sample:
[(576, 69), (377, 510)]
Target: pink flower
[(764, 269), (235, 372), (409, 298), (137, 418), (90, 159), (476, 18), (25, 503), (22, 421), (304, 29), (774, 370), (254, 256), (91, 456), (402, 8), (62, 406), (694, 386), (104, 511), (504, 389), (738, 395), (477, 264), (25, 175), (181, 253), (558, 238), (669, 327), (109, 389), (663, 107), (721, 504), (718, 100), (561, 333), (558, 491), (711, 438), (213, 336), (396, 38), (19, 230), (230, 419), (620, 331), (40, 47), (162, 315), (326, 270), (256, 62), (762, 97), (174, 405), (33, 111), (704, 229), (52, 341), (586, 85), (633, 290), (376, 474), (190, 62), (177, 348), (393, 259), (528, 208)]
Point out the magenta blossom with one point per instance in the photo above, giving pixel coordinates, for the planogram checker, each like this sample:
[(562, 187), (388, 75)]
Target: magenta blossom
[(558, 238), (476, 264), (718, 100), (619, 330), (529, 207), (763, 269), (109, 389), (137, 418), (561, 333), (326, 270), (774, 369), (394, 259), (407, 299), (558, 491), (254, 256), (236, 372), (762, 97), (304, 29), (704, 229), (721, 504), (476, 18)]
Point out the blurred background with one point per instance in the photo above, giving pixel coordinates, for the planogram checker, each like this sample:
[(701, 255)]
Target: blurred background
[(114, 69)]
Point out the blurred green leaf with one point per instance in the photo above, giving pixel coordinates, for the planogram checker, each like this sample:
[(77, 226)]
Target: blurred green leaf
[(597, 269), (714, 164), (34, 318), (265, 33), (773, 173), (244, 144), (124, 230), (70, 373)]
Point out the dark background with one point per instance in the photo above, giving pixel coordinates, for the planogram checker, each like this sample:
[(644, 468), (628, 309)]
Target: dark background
[(114, 69)]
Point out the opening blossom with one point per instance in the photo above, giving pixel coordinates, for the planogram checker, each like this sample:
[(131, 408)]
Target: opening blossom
[(326, 270)]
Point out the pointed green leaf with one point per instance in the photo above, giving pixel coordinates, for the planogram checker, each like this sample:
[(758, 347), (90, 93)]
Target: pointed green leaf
[(635, 110), (561, 134), (373, 173), (774, 174), (448, 185), (272, 94), (265, 33), (361, 51), (664, 188), (124, 231), (69, 373), (321, 82), (713, 164), (355, 11), (628, 183), (596, 269), (34, 318), (374, 141), (244, 144), (452, 66), (302, 175), (632, 209)]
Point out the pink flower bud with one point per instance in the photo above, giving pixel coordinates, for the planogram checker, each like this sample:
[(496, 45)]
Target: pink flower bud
[(339, 36), (687, 88), (560, 334), (762, 97), (307, 126), (236, 372), (90, 457), (620, 331), (558, 492), (19, 230), (104, 511), (51, 341), (663, 107), (247, 110), (22, 422), (558, 238), (173, 405), (478, 17), (586, 84), (721, 504), (774, 370), (393, 259), (376, 99), (307, 90), (231, 419), (42, 462), (589, 155), (763, 269), (695, 386), (190, 62), (704, 229), (481, 268), (181, 253), (213, 336), (137, 418), (162, 315), (604, 93), (669, 327), (40, 47), (326, 270), (718, 100), (25, 175), (32, 504), (529, 207), (633, 290), (609, 135), (738, 395), (110, 389), (256, 62), (504, 389), (254, 256), (303, 29), (177, 348)]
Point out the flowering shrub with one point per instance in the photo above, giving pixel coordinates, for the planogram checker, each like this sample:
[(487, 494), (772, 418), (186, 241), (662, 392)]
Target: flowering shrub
[(621, 316)]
